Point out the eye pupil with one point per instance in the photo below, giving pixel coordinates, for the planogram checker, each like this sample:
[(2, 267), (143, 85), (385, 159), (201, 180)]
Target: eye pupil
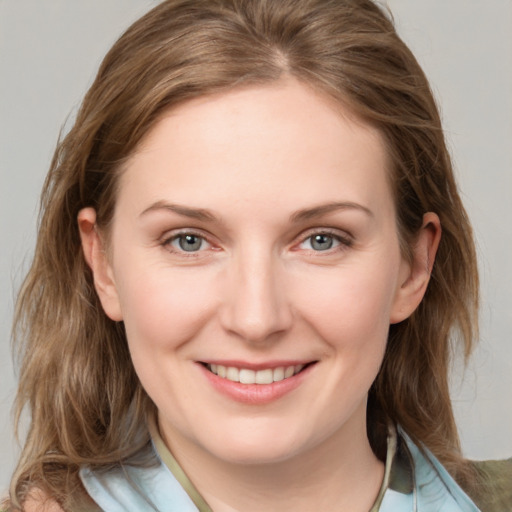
[(321, 242), (190, 243)]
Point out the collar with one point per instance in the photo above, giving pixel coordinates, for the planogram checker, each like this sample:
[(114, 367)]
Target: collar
[(414, 481), (172, 465), (398, 473)]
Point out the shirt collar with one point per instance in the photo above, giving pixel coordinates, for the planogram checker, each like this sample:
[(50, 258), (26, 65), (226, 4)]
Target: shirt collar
[(398, 473)]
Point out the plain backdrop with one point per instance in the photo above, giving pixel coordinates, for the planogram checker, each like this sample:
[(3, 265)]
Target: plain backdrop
[(49, 53)]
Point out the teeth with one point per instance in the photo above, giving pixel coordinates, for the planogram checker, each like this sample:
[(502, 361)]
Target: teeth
[(263, 377), (233, 374), (289, 371), (246, 376), (278, 374)]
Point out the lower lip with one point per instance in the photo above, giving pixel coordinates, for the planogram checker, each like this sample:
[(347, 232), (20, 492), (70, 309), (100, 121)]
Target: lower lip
[(256, 394)]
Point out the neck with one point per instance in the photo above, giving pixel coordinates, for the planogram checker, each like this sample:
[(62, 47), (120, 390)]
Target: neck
[(340, 473)]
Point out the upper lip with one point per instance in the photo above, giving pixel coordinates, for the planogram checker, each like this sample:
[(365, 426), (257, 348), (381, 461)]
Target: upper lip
[(258, 366)]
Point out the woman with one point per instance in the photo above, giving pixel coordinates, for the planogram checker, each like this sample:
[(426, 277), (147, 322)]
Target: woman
[(236, 262)]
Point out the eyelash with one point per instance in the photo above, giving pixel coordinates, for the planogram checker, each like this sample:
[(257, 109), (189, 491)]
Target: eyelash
[(343, 242), (175, 237)]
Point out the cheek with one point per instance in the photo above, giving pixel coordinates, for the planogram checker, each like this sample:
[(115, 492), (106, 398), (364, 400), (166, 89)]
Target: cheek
[(163, 308), (348, 306)]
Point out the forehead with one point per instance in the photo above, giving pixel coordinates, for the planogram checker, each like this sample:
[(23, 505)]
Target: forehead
[(278, 142)]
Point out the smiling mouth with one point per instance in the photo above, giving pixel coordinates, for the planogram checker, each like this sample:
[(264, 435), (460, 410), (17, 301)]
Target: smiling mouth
[(248, 376)]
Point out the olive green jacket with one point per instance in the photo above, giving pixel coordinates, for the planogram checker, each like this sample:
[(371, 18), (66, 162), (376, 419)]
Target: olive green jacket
[(494, 490)]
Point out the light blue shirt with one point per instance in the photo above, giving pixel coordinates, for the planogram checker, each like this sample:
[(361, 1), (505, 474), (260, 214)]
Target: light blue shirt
[(423, 484)]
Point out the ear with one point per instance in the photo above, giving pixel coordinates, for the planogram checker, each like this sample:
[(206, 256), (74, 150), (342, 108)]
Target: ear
[(97, 259), (415, 275)]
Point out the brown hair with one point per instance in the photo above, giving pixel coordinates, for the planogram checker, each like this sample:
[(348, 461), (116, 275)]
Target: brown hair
[(87, 405)]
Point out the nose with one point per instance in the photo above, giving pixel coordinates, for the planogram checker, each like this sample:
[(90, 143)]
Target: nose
[(255, 305)]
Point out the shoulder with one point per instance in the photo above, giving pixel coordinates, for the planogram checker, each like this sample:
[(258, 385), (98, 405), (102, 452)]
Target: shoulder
[(489, 491), (493, 489), (39, 501)]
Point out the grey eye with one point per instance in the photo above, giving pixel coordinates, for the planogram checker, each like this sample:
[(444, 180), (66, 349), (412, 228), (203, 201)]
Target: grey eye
[(189, 243), (321, 242)]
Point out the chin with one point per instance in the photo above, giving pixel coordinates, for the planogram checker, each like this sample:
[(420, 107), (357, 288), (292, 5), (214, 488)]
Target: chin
[(256, 456), (258, 449)]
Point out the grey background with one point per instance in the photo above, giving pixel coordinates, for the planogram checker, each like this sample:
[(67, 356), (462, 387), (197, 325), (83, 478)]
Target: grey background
[(49, 53)]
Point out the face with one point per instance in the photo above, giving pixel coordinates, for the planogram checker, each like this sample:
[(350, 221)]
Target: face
[(255, 263)]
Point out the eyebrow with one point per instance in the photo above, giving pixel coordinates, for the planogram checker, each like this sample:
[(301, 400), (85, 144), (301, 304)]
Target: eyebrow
[(185, 211), (302, 215), (325, 209)]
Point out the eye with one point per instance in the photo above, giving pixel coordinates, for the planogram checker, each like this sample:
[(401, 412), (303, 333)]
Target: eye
[(320, 242), (324, 241), (188, 242)]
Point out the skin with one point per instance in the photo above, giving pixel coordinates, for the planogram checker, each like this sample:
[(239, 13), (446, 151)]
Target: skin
[(258, 289)]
